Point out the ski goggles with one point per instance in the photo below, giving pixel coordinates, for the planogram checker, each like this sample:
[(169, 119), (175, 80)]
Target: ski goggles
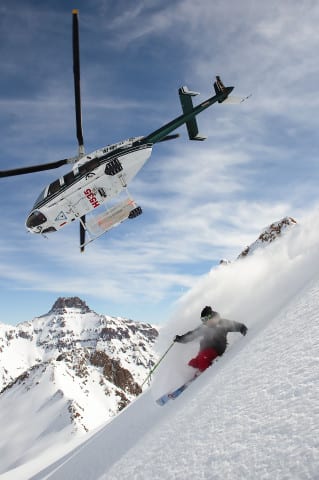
[(207, 317)]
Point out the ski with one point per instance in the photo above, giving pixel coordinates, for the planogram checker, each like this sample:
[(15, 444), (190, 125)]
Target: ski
[(175, 393)]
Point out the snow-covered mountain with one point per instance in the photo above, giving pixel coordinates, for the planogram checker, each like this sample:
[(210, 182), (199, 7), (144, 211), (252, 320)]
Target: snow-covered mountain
[(269, 234), (65, 373), (252, 415)]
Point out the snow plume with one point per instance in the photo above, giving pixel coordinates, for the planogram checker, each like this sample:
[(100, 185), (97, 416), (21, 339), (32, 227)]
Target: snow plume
[(276, 271)]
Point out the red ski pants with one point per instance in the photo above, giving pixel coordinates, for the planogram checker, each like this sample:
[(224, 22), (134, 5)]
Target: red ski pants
[(203, 359)]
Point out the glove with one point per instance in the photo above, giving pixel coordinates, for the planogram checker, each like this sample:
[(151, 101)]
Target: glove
[(177, 338), (243, 329)]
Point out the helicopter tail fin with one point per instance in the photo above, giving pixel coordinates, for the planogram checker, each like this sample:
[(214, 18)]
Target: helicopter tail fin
[(220, 89), (219, 86)]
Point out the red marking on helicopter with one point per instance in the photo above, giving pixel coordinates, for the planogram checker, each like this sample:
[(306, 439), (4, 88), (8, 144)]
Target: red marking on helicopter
[(91, 197)]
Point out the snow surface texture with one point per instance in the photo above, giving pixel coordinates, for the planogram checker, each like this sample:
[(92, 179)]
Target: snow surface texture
[(255, 413)]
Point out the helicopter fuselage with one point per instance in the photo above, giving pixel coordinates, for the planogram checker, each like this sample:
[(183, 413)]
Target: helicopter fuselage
[(95, 179)]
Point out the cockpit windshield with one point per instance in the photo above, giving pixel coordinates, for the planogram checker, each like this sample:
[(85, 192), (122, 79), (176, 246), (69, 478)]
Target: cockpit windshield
[(40, 198)]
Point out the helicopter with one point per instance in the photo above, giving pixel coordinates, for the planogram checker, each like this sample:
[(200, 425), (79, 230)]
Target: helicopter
[(97, 178)]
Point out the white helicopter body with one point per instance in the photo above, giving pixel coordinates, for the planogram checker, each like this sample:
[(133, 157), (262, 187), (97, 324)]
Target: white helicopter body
[(94, 180)]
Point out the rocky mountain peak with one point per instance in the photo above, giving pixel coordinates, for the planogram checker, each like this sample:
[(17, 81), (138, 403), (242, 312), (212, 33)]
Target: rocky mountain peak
[(90, 366), (270, 234), (62, 303), (274, 230)]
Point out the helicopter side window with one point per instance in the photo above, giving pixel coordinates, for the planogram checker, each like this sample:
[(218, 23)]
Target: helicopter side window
[(89, 166), (54, 187), (69, 178)]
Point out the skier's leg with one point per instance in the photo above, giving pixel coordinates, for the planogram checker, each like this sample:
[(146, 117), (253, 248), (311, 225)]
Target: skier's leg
[(205, 358), (193, 362)]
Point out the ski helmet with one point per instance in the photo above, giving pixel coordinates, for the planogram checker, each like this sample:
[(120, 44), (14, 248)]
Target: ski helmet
[(207, 311), (207, 314)]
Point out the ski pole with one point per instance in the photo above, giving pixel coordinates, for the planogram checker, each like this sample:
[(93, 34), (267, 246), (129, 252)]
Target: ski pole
[(157, 364)]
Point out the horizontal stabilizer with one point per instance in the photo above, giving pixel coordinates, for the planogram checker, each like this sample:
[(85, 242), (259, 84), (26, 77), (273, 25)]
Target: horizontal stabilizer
[(170, 137), (187, 106), (184, 90)]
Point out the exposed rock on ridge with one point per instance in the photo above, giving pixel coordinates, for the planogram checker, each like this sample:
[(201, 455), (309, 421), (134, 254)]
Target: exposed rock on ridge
[(270, 234), (62, 303)]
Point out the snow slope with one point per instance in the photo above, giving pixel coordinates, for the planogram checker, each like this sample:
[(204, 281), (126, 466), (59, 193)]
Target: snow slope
[(255, 413)]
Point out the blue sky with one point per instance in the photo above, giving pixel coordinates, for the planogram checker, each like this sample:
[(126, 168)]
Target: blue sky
[(202, 201)]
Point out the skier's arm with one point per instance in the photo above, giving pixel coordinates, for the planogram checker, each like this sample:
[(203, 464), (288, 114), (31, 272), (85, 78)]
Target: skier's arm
[(189, 336), (232, 326)]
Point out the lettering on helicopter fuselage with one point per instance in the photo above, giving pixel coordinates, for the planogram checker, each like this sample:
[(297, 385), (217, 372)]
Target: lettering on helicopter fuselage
[(91, 197)]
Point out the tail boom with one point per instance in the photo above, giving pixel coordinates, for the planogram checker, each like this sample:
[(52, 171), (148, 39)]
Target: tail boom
[(189, 113)]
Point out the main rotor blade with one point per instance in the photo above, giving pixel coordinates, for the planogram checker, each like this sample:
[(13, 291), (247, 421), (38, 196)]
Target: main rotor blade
[(170, 137), (34, 168), (76, 74), (82, 233)]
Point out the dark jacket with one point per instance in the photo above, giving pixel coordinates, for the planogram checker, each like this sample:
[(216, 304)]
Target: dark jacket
[(213, 336)]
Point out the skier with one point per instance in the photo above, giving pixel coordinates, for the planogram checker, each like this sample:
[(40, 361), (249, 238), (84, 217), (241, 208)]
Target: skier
[(213, 343)]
